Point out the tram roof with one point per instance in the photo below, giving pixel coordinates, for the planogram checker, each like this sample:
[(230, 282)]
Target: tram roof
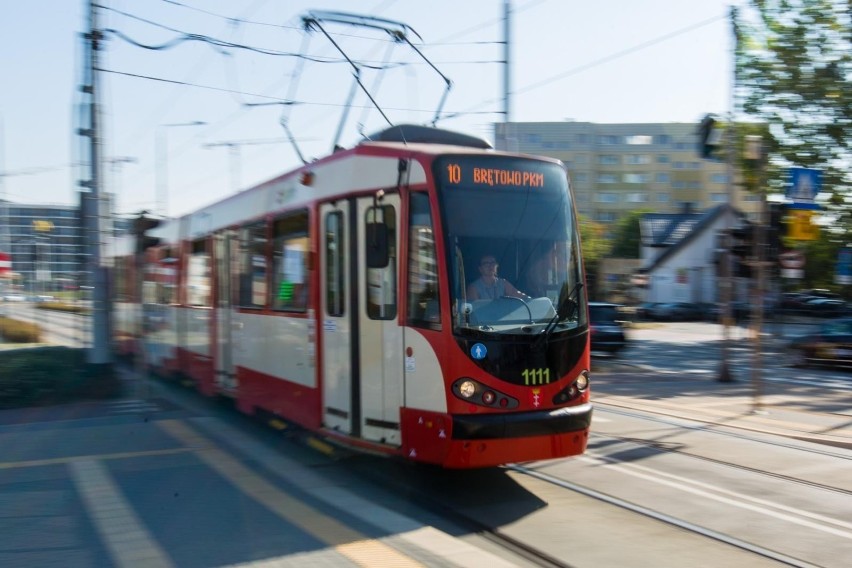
[(415, 133), (415, 139)]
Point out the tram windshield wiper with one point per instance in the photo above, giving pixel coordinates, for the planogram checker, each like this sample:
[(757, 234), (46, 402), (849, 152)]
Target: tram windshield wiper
[(567, 309)]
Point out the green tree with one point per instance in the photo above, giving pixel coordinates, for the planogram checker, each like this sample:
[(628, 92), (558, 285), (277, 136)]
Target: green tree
[(820, 261), (794, 68), (595, 247), (627, 238)]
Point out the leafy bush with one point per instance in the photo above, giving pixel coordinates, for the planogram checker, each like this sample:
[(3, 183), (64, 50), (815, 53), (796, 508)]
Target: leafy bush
[(41, 376), (15, 331), (63, 307)]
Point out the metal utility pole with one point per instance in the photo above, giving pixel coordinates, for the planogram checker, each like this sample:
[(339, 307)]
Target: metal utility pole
[(754, 153), (5, 235), (95, 215), (727, 280), (507, 63)]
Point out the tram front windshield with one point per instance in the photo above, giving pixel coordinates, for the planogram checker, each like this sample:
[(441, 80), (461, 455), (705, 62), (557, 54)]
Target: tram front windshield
[(512, 245)]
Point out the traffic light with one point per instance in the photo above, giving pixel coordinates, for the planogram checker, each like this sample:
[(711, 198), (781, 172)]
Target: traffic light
[(141, 226), (709, 137), (742, 247)]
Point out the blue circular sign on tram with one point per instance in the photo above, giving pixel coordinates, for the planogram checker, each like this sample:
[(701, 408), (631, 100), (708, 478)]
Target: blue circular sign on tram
[(478, 351)]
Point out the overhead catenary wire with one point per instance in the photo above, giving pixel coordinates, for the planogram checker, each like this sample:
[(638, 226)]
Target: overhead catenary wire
[(487, 107), (586, 66)]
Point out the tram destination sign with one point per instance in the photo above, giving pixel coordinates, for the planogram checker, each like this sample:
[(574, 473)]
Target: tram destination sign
[(521, 174)]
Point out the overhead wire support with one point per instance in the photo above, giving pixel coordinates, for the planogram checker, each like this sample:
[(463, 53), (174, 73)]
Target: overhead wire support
[(398, 31), (312, 22)]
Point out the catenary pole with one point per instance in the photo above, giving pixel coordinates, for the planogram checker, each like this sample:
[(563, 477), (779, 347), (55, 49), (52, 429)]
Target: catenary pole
[(727, 278), (95, 209), (507, 63)]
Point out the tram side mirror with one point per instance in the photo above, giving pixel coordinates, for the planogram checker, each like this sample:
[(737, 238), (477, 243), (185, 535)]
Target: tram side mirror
[(378, 255)]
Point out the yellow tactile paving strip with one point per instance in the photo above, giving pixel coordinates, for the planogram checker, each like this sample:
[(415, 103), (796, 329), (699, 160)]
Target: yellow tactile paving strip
[(351, 544), (98, 457)]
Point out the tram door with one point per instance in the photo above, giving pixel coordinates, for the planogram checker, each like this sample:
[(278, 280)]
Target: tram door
[(362, 362), (223, 251)]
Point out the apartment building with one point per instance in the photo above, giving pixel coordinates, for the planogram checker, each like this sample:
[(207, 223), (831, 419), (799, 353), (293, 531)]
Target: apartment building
[(45, 243), (616, 168)]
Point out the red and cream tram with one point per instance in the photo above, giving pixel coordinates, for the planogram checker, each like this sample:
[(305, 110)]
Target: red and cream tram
[(337, 296)]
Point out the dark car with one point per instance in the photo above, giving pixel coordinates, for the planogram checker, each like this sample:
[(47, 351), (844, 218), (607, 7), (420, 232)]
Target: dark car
[(678, 311), (825, 308), (606, 325), (831, 344), (645, 310)]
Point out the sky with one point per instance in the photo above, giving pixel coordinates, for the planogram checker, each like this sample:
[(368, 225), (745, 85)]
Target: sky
[(607, 61)]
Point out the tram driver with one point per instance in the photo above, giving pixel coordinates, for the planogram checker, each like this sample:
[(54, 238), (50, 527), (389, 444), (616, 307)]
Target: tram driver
[(489, 286)]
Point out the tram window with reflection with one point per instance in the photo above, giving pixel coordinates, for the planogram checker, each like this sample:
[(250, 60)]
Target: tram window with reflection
[(198, 276), (519, 213), (290, 263), (252, 266), (424, 309), (381, 272)]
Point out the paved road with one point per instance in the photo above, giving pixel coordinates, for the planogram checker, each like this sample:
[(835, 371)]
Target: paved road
[(167, 478)]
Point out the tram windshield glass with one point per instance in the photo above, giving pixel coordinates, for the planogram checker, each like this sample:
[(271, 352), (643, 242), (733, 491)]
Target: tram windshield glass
[(512, 244)]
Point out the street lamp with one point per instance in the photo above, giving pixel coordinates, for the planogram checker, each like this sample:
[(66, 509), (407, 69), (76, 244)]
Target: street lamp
[(117, 163), (234, 152), (161, 152)]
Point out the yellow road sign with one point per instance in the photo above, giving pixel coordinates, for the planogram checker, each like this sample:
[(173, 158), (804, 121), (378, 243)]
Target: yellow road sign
[(42, 225), (800, 226)]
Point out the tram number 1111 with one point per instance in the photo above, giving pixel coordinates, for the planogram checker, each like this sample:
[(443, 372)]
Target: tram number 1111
[(536, 376)]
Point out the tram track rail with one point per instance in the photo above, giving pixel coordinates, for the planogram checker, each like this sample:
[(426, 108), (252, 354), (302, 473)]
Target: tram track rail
[(662, 517), (725, 430), (534, 557), (388, 478), (662, 447)]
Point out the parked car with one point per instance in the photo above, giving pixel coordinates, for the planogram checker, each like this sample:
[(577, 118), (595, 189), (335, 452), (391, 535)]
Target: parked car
[(821, 293), (740, 312), (14, 298), (793, 302), (606, 326), (678, 311), (831, 344), (825, 308), (645, 310)]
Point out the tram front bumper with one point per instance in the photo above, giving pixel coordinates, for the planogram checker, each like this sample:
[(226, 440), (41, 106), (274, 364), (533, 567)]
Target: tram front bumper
[(487, 440), (522, 424)]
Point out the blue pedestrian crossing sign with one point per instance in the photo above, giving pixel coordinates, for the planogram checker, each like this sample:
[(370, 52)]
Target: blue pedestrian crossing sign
[(843, 271), (804, 185)]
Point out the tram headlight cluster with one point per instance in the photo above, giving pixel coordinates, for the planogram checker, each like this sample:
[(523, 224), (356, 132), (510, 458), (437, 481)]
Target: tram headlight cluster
[(572, 391), (474, 392), (582, 382), (467, 388)]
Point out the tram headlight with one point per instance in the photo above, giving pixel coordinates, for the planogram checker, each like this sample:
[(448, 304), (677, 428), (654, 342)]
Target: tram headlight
[(467, 388), (582, 381)]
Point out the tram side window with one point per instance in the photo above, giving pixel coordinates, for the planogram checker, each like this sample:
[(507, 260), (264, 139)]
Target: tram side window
[(160, 280), (167, 281), (122, 290), (423, 304), (334, 263), (198, 276), (381, 280), (252, 266), (290, 263)]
